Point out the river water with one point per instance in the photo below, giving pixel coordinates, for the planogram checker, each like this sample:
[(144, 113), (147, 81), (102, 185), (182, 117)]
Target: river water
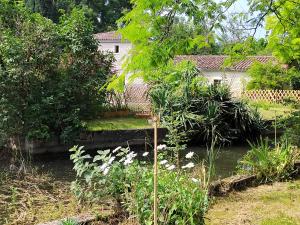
[(60, 166)]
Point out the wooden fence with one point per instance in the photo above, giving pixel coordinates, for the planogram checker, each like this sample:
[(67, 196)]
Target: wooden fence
[(135, 98), (276, 96)]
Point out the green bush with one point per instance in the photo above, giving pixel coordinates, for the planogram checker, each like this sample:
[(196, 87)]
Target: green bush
[(270, 164), (116, 174), (181, 201), (51, 75), (198, 107), (291, 126), (272, 76)]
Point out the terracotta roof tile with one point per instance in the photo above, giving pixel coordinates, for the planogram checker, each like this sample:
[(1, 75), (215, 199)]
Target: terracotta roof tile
[(215, 62), (108, 36)]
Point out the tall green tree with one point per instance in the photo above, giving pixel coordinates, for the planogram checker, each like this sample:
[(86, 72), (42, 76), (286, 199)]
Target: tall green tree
[(103, 13), (152, 27), (281, 19), (47, 8), (51, 75)]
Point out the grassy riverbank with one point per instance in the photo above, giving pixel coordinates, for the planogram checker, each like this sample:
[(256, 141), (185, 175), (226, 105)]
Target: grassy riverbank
[(269, 111), (33, 198), (276, 204), (119, 123)]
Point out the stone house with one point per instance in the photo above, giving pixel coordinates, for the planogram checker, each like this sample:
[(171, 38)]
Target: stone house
[(211, 66)]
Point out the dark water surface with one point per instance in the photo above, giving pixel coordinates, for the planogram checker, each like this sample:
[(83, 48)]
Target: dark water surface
[(60, 166), (227, 158)]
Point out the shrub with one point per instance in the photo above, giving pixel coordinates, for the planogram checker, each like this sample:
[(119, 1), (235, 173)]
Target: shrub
[(270, 164), (291, 126), (117, 174), (273, 76), (181, 201), (50, 74), (198, 107)]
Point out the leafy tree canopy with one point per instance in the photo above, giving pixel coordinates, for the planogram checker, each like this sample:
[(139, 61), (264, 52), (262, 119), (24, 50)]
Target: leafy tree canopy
[(103, 13), (160, 30), (51, 75), (282, 22), (271, 76)]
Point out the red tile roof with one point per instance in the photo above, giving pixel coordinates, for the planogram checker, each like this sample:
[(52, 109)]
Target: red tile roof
[(215, 62), (108, 36)]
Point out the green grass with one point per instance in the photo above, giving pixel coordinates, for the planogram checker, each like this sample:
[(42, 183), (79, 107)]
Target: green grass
[(276, 204), (120, 123), (271, 110), (280, 220)]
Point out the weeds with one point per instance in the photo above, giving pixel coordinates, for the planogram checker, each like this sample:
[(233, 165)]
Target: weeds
[(270, 164), (34, 198)]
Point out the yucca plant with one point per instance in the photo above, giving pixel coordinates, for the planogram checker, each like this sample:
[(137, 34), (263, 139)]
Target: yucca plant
[(185, 96), (270, 164), (69, 222)]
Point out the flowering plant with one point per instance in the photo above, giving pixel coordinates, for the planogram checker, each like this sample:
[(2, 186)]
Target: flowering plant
[(118, 174)]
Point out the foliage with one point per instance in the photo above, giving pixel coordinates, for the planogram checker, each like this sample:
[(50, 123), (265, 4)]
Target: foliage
[(199, 107), (50, 75), (291, 126), (249, 46), (69, 222), (281, 21), (270, 76), (283, 26), (270, 164), (103, 13), (160, 30), (117, 174), (181, 201)]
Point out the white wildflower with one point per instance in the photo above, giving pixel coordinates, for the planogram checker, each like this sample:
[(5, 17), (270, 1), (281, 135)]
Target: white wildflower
[(172, 167), (131, 155), (189, 165), (111, 160), (128, 161), (163, 162), (189, 155), (103, 166), (161, 147), (167, 165), (117, 149), (145, 154), (195, 180), (106, 170)]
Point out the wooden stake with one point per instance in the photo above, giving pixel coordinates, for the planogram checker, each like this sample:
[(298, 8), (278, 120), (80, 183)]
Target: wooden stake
[(275, 128), (155, 172)]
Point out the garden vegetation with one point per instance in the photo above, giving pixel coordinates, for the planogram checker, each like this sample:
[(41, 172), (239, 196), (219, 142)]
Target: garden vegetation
[(51, 75), (118, 174)]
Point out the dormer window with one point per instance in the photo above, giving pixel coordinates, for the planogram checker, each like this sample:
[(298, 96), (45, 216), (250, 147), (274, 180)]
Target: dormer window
[(117, 49)]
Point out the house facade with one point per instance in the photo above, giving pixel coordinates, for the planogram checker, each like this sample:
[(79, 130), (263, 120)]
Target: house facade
[(112, 42), (235, 76), (211, 66)]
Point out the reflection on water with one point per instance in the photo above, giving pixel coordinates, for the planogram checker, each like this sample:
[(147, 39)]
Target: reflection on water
[(60, 166), (227, 158)]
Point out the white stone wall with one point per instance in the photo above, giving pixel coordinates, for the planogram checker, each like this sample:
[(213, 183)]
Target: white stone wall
[(124, 48), (237, 81)]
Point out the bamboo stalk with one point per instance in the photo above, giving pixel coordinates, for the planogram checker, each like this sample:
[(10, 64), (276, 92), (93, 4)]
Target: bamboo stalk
[(155, 172)]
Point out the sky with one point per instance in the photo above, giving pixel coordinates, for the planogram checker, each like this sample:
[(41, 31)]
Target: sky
[(242, 6)]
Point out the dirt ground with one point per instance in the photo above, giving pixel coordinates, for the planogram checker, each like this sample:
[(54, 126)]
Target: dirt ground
[(35, 198), (277, 204)]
